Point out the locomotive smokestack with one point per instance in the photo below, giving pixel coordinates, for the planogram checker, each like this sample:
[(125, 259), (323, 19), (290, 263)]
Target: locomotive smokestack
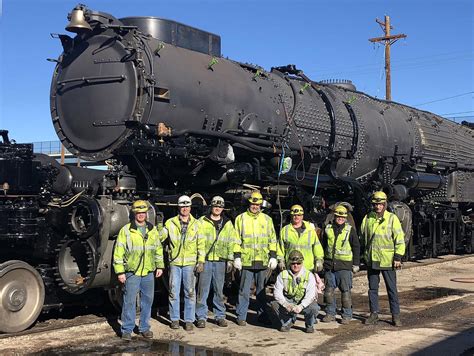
[(77, 20)]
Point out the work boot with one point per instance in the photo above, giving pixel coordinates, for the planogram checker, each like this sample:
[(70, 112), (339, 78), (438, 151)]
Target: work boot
[(286, 328), (328, 318), (396, 320), (222, 323), (241, 322), (127, 337), (309, 329), (201, 324), (188, 326), (147, 334), (345, 320), (174, 324), (372, 319)]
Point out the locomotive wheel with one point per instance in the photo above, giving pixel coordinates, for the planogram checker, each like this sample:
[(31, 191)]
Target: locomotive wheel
[(21, 296)]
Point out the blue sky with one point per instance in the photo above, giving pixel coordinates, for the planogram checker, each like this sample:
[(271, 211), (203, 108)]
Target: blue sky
[(326, 39)]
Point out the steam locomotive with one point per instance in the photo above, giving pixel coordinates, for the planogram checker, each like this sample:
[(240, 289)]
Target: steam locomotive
[(156, 102)]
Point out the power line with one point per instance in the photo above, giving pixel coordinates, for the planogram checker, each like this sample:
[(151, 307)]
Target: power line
[(400, 63), (451, 97), (456, 113)]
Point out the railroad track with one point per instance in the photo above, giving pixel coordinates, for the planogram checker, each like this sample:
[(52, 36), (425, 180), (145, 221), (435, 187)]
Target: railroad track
[(55, 325), (89, 319)]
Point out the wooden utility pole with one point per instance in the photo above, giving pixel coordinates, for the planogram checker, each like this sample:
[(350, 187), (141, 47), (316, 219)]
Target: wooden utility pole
[(63, 154), (389, 40)]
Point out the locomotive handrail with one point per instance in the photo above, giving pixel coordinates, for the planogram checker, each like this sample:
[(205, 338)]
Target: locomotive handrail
[(87, 80)]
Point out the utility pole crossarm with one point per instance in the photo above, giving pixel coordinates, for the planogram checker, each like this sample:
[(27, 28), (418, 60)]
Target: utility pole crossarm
[(386, 38)]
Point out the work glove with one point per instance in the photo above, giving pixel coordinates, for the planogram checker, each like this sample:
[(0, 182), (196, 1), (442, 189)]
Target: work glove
[(297, 309), (199, 267), (355, 269), (289, 307), (272, 263), (281, 265), (318, 266), (229, 266), (238, 263)]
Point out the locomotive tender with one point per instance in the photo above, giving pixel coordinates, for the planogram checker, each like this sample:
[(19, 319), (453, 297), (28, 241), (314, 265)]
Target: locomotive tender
[(155, 100)]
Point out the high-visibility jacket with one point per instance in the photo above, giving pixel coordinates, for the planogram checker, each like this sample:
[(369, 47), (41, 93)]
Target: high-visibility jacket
[(136, 253), (338, 247), (307, 243), (383, 240), (184, 250), (219, 247), (258, 239), (293, 290)]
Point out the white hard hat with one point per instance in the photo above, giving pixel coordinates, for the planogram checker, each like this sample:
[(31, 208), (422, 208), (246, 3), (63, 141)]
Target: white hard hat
[(184, 200), (218, 201)]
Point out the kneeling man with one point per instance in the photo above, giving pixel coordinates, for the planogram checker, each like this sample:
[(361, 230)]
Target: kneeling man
[(295, 293)]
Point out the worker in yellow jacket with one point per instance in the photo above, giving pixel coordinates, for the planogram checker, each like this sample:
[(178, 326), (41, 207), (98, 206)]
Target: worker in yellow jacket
[(255, 256), (302, 236), (383, 247), (221, 239), (183, 236), (137, 260)]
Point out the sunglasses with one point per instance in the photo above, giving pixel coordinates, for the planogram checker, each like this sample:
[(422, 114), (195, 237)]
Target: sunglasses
[(295, 263)]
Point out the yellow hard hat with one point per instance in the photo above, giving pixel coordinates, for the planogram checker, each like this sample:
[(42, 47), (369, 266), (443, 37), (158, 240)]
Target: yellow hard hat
[(140, 206), (256, 198), (296, 210), (379, 197), (340, 211)]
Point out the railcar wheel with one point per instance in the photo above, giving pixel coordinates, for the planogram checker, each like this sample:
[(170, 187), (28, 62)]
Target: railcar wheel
[(21, 296), (116, 299)]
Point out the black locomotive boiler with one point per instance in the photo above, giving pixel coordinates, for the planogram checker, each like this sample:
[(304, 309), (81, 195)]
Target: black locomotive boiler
[(168, 114)]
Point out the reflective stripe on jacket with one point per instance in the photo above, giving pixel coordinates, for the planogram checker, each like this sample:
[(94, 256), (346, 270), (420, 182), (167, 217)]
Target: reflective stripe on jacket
[(383, 240), (184, 250), (307, 243), (338, 247), (223, 248), (293, 290), (134, 253), (258, 239)]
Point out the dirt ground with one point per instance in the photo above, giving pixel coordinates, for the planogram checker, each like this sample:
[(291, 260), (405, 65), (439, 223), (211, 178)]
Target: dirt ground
[(438, 317)]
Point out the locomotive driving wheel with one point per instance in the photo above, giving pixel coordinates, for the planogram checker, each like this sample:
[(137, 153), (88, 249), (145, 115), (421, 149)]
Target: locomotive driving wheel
[(21, 296)]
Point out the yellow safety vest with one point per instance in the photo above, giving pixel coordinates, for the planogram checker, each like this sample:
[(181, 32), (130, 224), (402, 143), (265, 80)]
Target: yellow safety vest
[(383, 238)]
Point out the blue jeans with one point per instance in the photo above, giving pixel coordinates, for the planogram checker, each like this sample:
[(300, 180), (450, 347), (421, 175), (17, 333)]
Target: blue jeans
[(343, 281), (213, 272), (390, 278), (183, 274), (247, 277), (310, 313), (134, 284)]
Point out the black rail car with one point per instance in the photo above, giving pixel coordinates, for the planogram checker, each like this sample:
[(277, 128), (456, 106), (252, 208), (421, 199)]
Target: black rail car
[(155, 99)]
